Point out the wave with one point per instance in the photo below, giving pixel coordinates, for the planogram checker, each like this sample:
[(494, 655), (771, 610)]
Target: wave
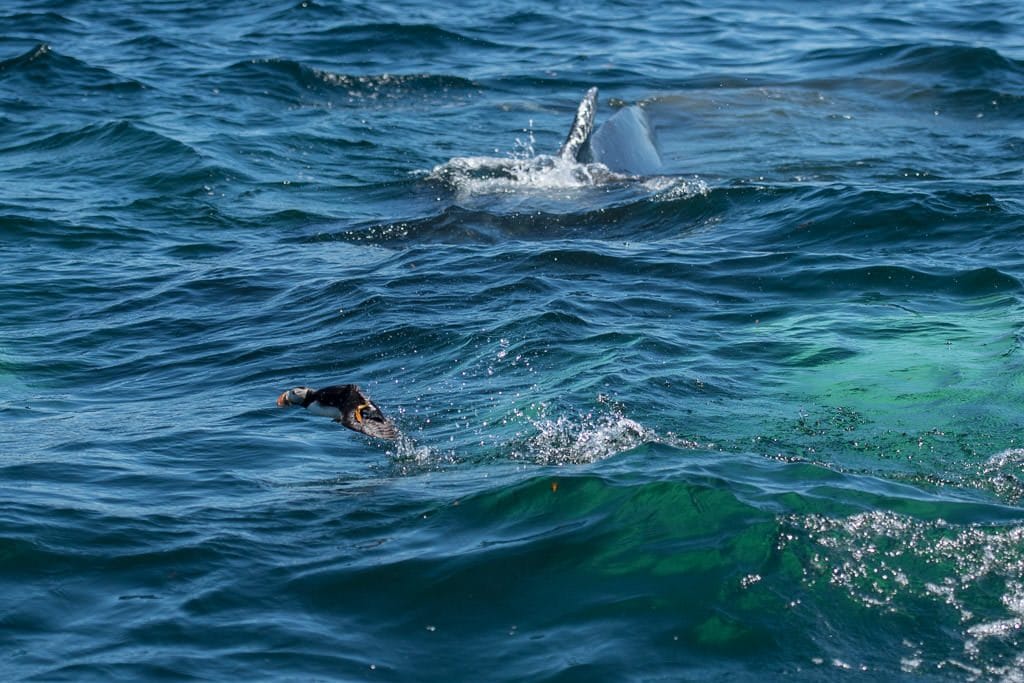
[(62, 234), (714, 553), (842, 216), (363, 38), (42, 65), (35, 22), (957, 63), (959, 80), (124, 134), (878, 280), (124, 153), (149, 44), (289, 79), (504, 221)]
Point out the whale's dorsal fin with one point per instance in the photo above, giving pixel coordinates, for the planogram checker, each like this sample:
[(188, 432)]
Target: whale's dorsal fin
[(582, 127)]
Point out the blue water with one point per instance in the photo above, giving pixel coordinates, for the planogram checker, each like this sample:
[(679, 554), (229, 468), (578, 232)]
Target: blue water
[(755, 416)]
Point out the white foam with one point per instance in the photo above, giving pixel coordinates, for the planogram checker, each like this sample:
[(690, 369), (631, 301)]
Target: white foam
[(887, 561), (525, 172), (472, 176), (410, 457), (564, 441), (671, 188), (1003, 473)]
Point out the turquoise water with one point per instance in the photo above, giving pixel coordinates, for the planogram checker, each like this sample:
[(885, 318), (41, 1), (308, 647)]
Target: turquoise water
[(755, 416)]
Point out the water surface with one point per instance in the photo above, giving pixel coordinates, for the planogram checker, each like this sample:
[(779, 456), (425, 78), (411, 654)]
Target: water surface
[(755, 415)]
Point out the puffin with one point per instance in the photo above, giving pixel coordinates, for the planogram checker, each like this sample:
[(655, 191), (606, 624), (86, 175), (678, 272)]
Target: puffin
[(344, 403)]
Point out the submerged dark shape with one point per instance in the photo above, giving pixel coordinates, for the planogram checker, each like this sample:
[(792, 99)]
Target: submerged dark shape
[(344, 403), (624, 143)]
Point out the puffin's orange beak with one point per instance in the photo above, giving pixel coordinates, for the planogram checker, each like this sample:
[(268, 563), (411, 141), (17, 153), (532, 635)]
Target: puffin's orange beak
[(281, 402)]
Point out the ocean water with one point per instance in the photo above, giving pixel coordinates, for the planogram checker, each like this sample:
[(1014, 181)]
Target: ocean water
[(756, 416)]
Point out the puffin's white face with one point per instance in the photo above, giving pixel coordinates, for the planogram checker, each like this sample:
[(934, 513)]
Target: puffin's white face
[(294, 397)]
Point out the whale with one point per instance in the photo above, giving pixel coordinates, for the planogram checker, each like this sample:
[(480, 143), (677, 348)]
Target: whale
[(619, 153), (624, 144)]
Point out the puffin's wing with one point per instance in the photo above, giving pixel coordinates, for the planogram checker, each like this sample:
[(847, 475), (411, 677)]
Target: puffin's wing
[(364, 416)]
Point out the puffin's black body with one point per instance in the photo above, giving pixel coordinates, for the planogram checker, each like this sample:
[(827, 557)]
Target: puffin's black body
[(344, 403)]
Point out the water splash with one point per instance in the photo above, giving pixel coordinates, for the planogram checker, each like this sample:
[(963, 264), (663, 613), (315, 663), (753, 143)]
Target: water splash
[(1004, 474), (408, 457), (482, 175), (565, 441), (524, 171), (588, 437)]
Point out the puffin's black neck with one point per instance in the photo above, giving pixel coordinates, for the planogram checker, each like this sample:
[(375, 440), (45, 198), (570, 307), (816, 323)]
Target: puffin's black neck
[(309, 398)]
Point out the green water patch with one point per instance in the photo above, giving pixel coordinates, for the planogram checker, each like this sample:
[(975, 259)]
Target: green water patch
[(893, 569), (725, 555), (885, 388)]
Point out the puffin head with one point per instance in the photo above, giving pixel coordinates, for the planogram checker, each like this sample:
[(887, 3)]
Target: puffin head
[(293, 397)]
